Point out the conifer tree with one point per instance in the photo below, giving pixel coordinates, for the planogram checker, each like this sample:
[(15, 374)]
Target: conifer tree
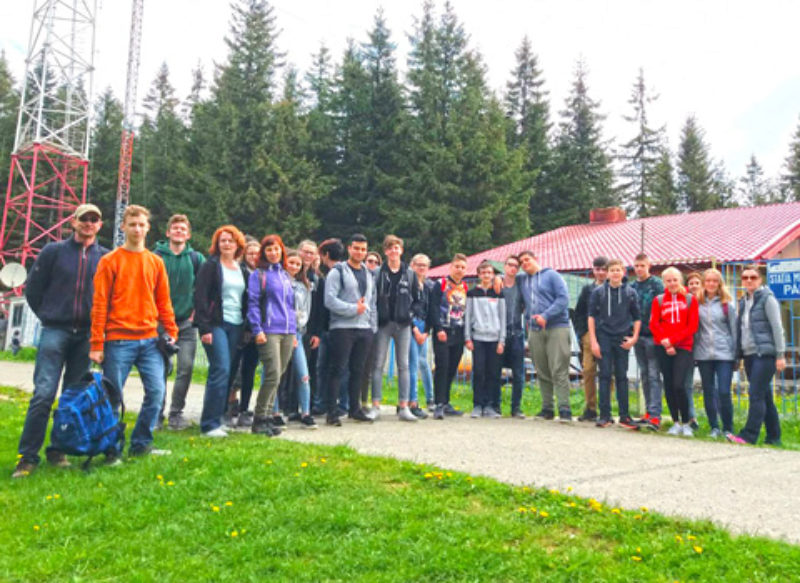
[(696, 187), (9, 104), (790, 179), (104, 160), (664, 195)]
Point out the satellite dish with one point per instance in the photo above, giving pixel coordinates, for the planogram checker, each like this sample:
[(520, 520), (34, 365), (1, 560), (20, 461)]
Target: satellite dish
[(13, 275)]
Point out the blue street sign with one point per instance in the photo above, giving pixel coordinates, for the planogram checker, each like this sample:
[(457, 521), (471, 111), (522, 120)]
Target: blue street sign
[(783, 278)]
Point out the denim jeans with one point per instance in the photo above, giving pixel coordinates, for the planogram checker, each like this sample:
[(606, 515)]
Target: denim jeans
[(762, 410), (650, 374), (59, 351), (221, 353), (187, 346), (402, 337), (485, 373), (120, 356), (301, 378), (614, 360), (514, 358), (244, 364), (689, 384), (349, 350), (418, 364), (717, 376)]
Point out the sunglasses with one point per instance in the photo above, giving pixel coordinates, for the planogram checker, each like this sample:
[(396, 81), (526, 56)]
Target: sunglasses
[(89, 219), (749, 277)]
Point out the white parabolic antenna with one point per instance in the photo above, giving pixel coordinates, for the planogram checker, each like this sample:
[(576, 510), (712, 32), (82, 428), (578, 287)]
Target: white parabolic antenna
[(13, 275)]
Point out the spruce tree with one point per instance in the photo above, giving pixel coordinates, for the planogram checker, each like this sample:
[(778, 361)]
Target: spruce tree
[(104, 160), (696, 186), (641, 154), (9, 105), (664, 194), (790, 179), (582, 175)]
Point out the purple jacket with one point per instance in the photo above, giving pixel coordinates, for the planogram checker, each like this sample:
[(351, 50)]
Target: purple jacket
[(270, 306)]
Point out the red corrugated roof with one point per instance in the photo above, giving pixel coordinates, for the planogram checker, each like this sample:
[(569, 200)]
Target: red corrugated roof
[(735, 234)]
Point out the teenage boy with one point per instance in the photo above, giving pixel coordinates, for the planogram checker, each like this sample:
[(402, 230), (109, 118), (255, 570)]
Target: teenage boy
[(396, 291), (514, 352), (648, 287), (59, 291), (614, 323), (350, 298), (446, 315), (545, 297), (485, 336), (588, 363), (131, 298), (182, 263)]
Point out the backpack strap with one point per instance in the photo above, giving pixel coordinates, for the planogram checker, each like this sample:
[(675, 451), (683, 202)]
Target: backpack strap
[(195, 257)]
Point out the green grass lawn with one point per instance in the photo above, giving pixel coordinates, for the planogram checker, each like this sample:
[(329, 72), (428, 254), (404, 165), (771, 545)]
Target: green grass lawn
[(252, 509)]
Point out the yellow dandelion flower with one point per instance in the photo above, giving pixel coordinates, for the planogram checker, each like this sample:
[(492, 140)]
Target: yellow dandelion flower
[(572, 505), (56, 496), (643, 508), (533, 509), (215, 508), (428, 475), (439, 476), (569, 488), (698, 550), (639, 550), (323, 460), (553, 491), (691, 537), (526, 489), (522, 510), (449, 474), (19, 456), (304, 465), (36, 527), (170, 483), (469, 478), (234, 534), (637, 517), (678, 538), (635, 558), (543, 514), (48, 497), (186, 459), (616, 511), (228, 503), (160, 478)]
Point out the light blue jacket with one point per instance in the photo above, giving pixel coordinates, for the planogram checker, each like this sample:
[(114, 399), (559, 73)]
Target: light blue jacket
[(341, 298), (716, 335), (545, 293)]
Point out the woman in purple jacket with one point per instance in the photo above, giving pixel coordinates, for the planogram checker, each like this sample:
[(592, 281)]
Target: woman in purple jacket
[(274, 326)]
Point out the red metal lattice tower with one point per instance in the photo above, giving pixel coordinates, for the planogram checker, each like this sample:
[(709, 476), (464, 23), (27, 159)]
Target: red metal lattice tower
[(49, 165)]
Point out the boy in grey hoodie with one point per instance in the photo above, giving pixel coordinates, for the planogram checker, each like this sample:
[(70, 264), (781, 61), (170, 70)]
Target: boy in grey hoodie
[(614, 322), (485, 336)]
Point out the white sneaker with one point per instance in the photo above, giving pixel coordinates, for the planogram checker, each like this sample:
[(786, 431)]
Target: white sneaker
[(715, 433), (218, 432), (491, 413), (676, 429), (688, 431), (476, 412), (405, 414), (374, 413)]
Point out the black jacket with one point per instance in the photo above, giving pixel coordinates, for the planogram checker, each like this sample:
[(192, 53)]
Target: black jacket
[(407, 293), (318, 319), (208, 295), (60, 285)]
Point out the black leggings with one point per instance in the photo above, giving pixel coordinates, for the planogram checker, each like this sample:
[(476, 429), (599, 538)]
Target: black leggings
[(446, 358), (674, 370)]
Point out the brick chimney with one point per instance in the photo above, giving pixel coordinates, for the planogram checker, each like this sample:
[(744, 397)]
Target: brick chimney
[(612, 214)]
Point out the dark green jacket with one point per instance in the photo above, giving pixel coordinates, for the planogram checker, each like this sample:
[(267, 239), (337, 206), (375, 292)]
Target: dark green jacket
[(181, 270), (647, 290)]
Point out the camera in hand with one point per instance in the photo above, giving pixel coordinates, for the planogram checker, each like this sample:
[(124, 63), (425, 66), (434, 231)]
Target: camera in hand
[(167, 346)]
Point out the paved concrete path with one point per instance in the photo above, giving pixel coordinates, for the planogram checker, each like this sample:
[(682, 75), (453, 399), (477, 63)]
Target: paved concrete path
[(744, 489)]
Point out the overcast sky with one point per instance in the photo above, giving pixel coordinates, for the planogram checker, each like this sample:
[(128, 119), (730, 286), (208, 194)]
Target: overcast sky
[(733, 64)]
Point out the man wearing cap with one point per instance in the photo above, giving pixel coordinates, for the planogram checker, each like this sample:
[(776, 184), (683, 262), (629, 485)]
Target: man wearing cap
[(59, 290)]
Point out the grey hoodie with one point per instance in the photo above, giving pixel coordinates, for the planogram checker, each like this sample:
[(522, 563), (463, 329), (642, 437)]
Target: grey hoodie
[(342, 295), (486, 316), (716, 334), (302, 304)]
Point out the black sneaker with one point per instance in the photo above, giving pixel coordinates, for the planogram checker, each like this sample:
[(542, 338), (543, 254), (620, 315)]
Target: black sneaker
[(693, 424), (307, 422), (318, 411), (418, 413), (58, 459), (588, 415), (333, 420), (438, 412), (517, 414), (277, 421), (359, 415), (452, 411), (245, 419), (294, 417), (261, 426), (604, 422), (628, 423), (546, 414), (565, 416)]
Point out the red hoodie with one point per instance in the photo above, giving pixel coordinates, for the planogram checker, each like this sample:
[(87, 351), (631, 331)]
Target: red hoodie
[(674, 320)]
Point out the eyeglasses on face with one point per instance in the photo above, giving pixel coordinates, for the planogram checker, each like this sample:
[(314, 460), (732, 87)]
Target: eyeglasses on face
[(749, 277), (89, 219), (372, 260)]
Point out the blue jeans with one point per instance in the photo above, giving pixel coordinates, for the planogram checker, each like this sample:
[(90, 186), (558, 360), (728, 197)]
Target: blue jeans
[(614, 360), (716, 376), (762, 410), (514, 358), (59, 351), (120, 356), (650, 374), (301, 378), (418, 363), (221, 353), (690, 391)]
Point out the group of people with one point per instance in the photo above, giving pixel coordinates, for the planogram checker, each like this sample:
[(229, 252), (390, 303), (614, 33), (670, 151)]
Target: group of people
[(319, 319)]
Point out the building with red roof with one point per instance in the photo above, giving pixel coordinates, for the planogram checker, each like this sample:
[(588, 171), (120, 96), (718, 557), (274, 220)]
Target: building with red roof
[(690, 240)]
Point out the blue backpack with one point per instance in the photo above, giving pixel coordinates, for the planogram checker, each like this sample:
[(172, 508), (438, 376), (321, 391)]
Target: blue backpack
[(88, 420)]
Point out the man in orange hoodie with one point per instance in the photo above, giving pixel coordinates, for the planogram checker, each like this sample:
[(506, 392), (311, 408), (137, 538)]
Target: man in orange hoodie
[(131, 297)]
